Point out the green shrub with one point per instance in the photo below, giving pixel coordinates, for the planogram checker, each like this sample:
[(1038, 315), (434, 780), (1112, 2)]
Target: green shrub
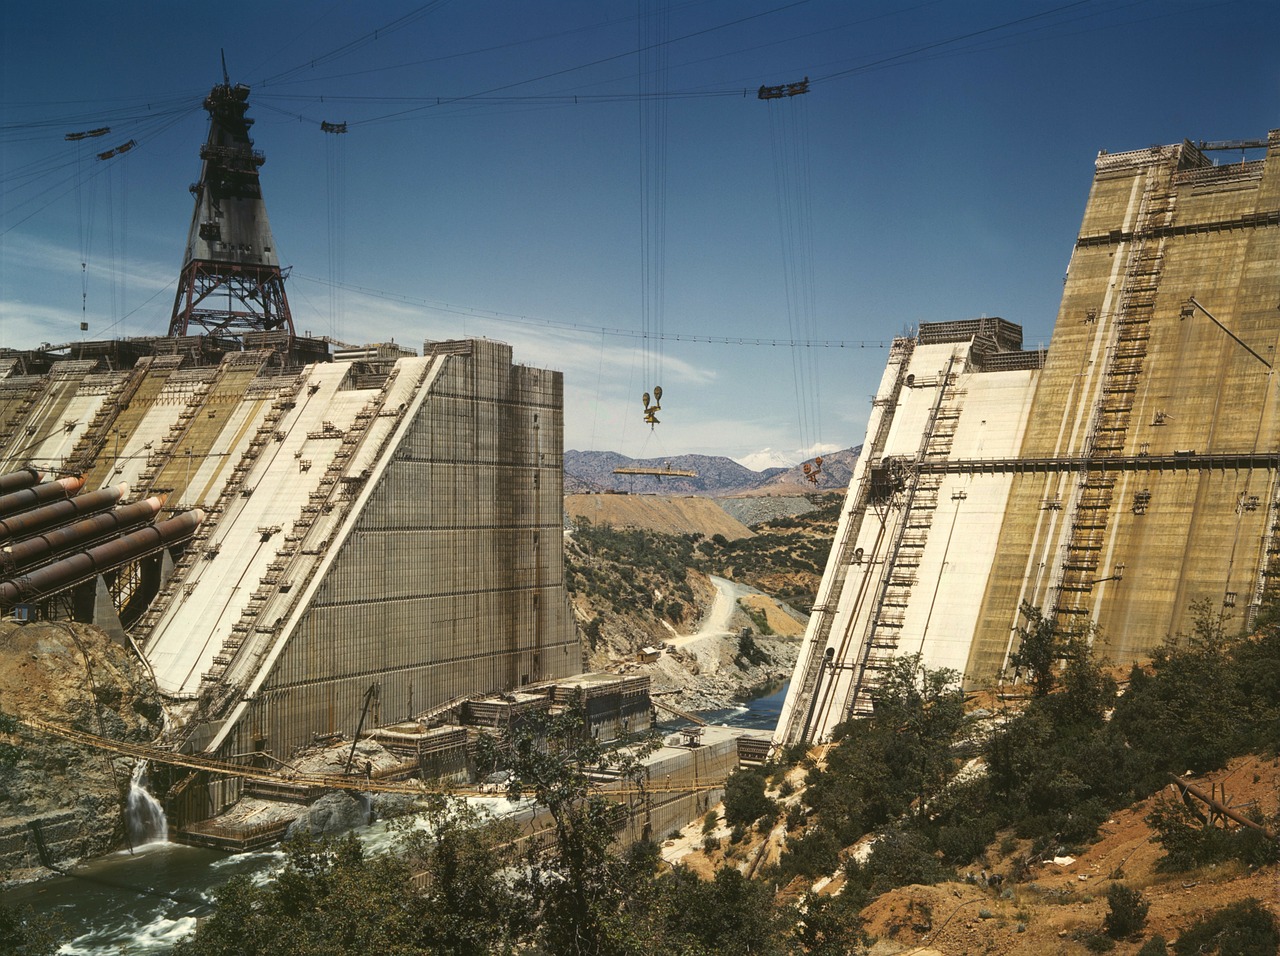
[(816, 853), (1127, 912), (1188, 843), (1155, 946), (899, 857), (962, 844), (1241, 929), (744, 799)]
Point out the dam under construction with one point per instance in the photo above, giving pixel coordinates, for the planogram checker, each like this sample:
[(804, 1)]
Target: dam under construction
[(292, 534), (318, 566), (1121, 483), (302, 539)]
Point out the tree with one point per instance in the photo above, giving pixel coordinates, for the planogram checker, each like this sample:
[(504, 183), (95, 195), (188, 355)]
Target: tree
[(744, 799), (1037, 651), (1043, 647), (581, 891), (25, 933), (729, 914), (329, 899), (470, 907), (828, 926)]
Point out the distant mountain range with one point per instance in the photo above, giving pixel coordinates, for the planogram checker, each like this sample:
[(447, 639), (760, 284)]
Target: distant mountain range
[(592, 472)]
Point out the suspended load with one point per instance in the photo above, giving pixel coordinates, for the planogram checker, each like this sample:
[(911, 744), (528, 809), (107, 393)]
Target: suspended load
[(783, 90), (651, 409), (813, 471), (87, 134), (124, 148)]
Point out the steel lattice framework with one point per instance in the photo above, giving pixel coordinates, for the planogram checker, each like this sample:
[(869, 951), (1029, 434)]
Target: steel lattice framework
[(231, 279)]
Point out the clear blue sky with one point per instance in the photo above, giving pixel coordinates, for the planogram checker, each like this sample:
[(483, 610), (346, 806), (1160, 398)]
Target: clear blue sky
[(503, 176)]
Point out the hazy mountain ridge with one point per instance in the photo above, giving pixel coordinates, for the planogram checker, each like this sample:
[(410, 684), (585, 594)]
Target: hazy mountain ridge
[(592, 471)]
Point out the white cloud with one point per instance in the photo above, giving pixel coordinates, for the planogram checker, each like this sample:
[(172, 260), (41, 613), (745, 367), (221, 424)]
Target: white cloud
[(28, 253), (767, 458)]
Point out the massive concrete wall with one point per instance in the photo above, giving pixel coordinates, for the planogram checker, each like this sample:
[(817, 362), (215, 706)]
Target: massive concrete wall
[(916, 540), (1138, 488), (449, 580), (395, 523)]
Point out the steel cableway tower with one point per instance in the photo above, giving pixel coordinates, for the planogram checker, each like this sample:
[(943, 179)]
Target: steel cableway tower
[(231, 280)]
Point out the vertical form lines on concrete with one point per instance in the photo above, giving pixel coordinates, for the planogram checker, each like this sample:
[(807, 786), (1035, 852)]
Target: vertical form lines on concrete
[(880, 641), (157, 459), (94, 437), (824, 612), (1110, 417), (198, 544), (294, 556)]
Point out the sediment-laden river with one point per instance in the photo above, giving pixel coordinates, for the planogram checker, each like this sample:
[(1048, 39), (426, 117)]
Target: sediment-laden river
[(142, 902)]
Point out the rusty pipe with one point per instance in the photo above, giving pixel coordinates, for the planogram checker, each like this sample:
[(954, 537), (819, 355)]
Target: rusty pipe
[(27, 498), (60, 512), (71, 570), (75, 536), (17, 480)]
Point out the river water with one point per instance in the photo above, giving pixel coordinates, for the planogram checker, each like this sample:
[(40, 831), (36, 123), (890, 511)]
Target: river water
[(140, 902)]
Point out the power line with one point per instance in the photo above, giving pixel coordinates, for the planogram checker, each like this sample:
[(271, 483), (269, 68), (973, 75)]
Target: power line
[(598, 329)]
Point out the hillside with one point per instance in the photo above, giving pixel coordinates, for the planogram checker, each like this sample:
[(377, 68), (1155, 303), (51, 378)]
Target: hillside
[(76, 676), (592, 471), (1012, 902), (664, 513), (1084, 816)]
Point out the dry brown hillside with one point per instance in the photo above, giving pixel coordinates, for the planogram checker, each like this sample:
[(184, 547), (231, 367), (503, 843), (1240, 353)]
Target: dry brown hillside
[(669, 515)]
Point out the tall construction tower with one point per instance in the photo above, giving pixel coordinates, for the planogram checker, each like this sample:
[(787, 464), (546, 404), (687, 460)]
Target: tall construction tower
[(231, 280)]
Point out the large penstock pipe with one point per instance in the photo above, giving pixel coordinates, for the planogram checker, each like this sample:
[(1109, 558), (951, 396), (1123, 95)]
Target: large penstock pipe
[(83, 566), (61, 512), (27, 498), (40, 547), (17, 480)]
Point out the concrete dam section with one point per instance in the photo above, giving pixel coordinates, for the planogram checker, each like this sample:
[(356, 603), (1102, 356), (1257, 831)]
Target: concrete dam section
[(1124, 478), (328, 517), (379, 517)]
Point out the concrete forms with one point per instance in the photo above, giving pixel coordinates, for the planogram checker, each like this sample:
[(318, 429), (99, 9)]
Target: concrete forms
[(386, 520), (1130, 482)]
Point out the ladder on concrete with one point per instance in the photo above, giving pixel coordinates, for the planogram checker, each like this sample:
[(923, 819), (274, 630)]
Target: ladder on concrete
[(199, 547), (160, 456), (1080, 569), (888, 616), (94, 438), (801, 714), (294, 563)]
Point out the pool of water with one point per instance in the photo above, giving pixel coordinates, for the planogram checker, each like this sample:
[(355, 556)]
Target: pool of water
[(760, 713), (142, 902)]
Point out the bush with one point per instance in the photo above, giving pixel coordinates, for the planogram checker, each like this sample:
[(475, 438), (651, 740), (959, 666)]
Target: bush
[(1188, 843), (815, 854), (1127, 912), (899, 858), (1155, 946), (744, 799), (1241, 929)]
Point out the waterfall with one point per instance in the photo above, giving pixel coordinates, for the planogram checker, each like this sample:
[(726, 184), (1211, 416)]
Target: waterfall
[(143, 814)]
